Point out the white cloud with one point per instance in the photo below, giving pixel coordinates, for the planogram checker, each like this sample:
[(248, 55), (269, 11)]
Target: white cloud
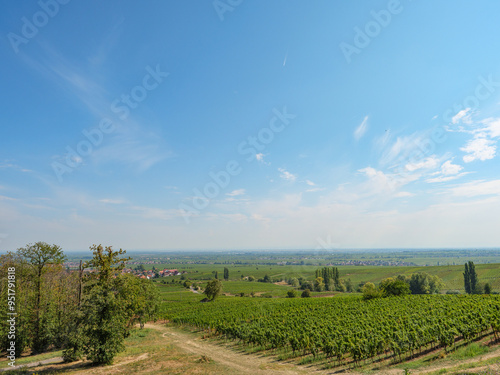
[(259, 157), (450, 169), (310, 183), (427, 163), (112, 201), (492, 127), (404, 194), (479, 149), (477, 188), (236, 193), (445, 178), (448, 172), (287, 175), (462, 116), (361, 129)]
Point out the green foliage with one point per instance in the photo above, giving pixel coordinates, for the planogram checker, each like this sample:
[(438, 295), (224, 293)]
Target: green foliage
[(40, 257), (319, 286), (331, 278), (423, 283), (394, 287), (294, 282), (471, 281), (292, 293), (346, 328), (107, 308), (251, 278), (306, 293), (487, 288), (226, 273), (370, 291), (213, 289)]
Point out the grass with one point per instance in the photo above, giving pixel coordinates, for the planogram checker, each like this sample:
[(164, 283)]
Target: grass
[(469, 351)]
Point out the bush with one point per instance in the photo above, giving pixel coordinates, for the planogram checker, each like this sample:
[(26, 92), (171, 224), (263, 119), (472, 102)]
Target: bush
[(370, 291), (292, 293), (306, 293)]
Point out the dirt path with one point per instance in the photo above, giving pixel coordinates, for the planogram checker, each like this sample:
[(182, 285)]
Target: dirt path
[(35, 364), (240, 363), (255, 364)]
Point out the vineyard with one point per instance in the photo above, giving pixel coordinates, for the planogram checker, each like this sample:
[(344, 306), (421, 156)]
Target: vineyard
[(345, 330)]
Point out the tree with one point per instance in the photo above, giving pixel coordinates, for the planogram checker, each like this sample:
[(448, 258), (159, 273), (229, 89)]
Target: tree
[(226, 274), (292, 293), (471, 281), (318, 284), (467, 279), (142, 299), (40, 256), (251, 278), (216, 274), (370, 291), (306, 293), (213, 289), (104, 318), (487, 288), (394, 287)]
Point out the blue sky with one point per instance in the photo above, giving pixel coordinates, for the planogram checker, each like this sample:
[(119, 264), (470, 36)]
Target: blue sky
[(249, 124)]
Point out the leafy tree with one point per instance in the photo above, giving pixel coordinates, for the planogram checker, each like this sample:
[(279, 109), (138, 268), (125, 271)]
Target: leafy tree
[(213, 289), (487, 288), (294, 282), (394, 287), (216, 274), (142, 299), (104, 316), (348, 286), (471, 281), (467, 279), (226, 274), (292, 293), (40, 257), (266, 279), (370, 291), (251, 278), (306, 293), (187, 284), (318, 284)]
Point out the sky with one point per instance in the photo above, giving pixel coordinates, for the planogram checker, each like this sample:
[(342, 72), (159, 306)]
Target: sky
[(237, 124)]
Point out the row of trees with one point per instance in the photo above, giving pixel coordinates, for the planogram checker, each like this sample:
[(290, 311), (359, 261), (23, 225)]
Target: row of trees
[(88, 314), (416, 283)]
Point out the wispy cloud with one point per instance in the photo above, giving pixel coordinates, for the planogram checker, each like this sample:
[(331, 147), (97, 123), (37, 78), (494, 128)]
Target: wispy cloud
[(285, 175), (463, 116), (448, 172), (477, 188), (361, 129), (112, 201), (236, 193)]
